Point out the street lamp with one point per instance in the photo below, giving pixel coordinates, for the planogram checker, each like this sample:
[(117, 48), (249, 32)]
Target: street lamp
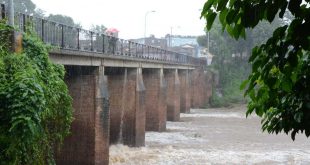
[(153, 11)]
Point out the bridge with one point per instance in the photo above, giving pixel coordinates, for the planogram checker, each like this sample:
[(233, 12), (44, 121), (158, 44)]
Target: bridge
[(120, 88)]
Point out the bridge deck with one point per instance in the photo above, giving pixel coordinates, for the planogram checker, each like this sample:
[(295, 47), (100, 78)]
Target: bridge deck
[(73, 57)]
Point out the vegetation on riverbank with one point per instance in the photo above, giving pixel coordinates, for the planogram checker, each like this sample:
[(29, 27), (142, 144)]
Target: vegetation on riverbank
[(35, 106)]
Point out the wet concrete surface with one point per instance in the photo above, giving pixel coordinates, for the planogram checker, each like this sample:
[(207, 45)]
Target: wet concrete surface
[(214, 136)]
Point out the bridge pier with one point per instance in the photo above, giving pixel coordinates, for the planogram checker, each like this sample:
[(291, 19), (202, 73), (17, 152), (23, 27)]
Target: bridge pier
[(155, 102), (116, 84), (89, 139), (198, 88), (173, 95), (127, 112), (185, 93)]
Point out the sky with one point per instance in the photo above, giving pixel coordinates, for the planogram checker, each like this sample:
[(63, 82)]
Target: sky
[(181, 17)]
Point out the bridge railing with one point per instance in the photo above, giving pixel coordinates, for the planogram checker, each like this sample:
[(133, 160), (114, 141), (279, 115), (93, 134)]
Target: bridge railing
[(75, 38), (2, 11)]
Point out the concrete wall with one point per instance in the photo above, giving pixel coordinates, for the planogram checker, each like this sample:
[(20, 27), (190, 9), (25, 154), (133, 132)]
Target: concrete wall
[(88, 142), (156, 99)]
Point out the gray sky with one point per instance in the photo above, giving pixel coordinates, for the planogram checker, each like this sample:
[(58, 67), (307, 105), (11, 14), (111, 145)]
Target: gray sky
[(128, 15)]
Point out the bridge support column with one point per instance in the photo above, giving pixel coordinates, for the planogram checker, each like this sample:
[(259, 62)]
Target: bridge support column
[(117, 80), (134, 116), (198, 86), (209, 83), (185, 102), (88, 142), (102, 119), (173, 95), (127, 108), (155, 102)]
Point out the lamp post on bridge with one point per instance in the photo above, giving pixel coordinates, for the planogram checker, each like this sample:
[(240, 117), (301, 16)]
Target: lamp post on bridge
[(153, 11)]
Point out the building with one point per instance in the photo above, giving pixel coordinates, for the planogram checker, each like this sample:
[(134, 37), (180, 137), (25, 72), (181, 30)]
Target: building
[(152, 41)]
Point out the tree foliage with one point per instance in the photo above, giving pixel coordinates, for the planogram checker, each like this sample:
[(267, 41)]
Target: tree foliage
[(66, 20), (23, 6), (279, 83), (98, 29), (35, 107), (230, 57)]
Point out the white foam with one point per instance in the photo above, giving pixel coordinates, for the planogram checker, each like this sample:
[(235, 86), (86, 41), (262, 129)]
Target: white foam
[(169, 155), (186, 143), (216, 115)]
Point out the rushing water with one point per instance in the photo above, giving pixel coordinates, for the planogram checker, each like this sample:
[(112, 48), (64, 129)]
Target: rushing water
[(214, 136)]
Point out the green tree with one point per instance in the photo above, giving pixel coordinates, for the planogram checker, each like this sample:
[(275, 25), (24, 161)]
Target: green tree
[(23, 6), (66, 20), (35, 106), (279, 83), (98, 29)]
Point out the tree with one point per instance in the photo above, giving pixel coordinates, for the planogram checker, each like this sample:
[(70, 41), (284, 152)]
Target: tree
[(279, 85), (23, 6), (61, 19), (98, 29), (35, 105)]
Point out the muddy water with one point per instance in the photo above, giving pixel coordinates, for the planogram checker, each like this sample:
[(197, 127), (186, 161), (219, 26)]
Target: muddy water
[(214, 136)]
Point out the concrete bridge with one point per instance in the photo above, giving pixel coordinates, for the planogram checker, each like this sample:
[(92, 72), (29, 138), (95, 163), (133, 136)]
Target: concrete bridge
[(120, 89)]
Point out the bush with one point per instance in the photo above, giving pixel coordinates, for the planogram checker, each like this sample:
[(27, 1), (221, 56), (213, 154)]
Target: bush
[(35, 107)]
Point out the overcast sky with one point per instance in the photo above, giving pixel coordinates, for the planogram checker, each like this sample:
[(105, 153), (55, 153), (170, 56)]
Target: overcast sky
[(128, 15)]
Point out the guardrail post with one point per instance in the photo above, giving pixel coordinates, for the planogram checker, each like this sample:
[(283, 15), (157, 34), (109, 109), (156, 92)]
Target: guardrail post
[(136, 49), (42, 29), (24, 22), (78, 38), (91, 41), (103, 43), (62, 36), (148, 51), (129, 51), (122, 46), (2, 11)]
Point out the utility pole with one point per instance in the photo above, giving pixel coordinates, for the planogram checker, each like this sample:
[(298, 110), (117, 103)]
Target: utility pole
[(11, 13), (16, 38), (208, 42)]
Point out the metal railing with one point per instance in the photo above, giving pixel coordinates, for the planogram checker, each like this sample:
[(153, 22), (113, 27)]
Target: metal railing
[(2, 11), (74, 38)]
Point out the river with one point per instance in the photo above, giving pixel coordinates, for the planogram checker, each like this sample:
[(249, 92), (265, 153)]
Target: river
[(214, 136)]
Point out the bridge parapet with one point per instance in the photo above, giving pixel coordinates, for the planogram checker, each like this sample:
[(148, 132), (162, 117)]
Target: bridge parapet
[(75, 38)]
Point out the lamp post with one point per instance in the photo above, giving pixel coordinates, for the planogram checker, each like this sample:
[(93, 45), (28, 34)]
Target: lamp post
[(153, 11)]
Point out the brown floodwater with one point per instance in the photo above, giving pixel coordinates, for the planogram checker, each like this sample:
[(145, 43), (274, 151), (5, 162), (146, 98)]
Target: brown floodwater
[(214, 136)]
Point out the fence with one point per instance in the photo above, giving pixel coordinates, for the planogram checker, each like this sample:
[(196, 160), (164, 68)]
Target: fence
[(74, 38), (2, 11)]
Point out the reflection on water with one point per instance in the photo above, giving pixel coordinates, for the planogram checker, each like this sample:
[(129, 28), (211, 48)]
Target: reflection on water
[(214, 137)]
